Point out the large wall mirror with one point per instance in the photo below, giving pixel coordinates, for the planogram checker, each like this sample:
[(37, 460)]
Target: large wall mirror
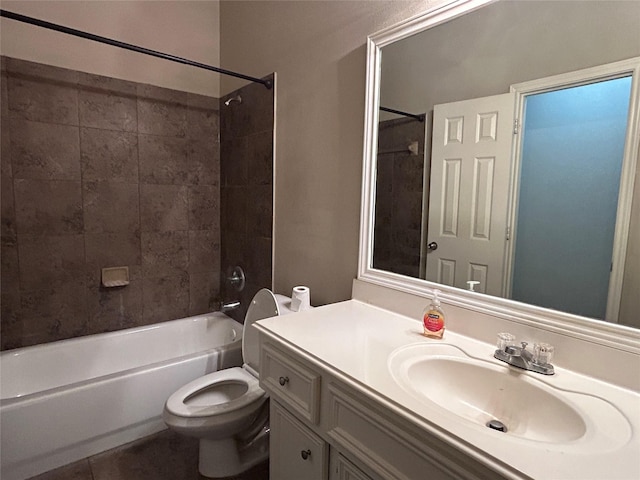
[(501, 156)]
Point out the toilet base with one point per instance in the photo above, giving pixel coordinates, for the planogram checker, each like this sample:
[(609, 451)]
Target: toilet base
[(223, 458)]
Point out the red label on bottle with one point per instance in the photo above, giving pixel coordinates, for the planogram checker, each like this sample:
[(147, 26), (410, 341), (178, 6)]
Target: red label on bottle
[(433, 321)]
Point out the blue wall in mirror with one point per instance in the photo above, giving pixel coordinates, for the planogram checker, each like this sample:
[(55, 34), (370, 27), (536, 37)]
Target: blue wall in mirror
[(573, 147)]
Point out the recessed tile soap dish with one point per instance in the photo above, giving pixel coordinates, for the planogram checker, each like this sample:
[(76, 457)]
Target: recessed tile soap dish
[(115, 276)]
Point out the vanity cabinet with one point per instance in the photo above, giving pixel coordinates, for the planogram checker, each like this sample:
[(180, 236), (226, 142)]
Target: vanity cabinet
[(325, 428)]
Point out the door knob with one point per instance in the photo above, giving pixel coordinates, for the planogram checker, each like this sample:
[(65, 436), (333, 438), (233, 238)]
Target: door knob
[(432, 246), (305, 454), (283, 381)]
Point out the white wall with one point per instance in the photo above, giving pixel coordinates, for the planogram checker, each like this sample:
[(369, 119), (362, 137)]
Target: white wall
[(318, 50), (188, 29)]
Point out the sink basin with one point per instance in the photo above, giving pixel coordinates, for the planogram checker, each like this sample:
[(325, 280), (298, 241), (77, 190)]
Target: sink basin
[(500, 397)]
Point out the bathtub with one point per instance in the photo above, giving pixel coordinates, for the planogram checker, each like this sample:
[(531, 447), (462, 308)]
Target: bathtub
[(67, 400)]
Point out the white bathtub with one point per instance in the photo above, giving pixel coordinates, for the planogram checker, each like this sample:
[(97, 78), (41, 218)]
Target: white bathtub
[(67, 400)]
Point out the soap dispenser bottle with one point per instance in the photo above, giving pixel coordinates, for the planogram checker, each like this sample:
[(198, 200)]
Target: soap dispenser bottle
[(433, 318)]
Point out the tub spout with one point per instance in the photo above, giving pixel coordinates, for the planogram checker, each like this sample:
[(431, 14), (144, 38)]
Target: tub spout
[(228, 306)]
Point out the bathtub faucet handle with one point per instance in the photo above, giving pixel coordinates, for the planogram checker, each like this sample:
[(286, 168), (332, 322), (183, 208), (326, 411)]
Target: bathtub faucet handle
[(237, 279)]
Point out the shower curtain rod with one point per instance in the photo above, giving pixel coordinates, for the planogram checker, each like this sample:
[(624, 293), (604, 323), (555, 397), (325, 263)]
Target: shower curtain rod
[(127, 46), (420, 117)]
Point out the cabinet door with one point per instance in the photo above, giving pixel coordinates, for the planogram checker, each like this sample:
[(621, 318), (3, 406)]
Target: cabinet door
[(343, 469), (296, 452)]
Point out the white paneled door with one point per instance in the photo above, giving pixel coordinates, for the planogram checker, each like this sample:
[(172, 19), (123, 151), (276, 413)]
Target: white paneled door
[(469, 191)]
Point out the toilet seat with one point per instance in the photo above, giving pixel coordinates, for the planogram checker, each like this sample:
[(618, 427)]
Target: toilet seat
[(263, 305), (177, 404)]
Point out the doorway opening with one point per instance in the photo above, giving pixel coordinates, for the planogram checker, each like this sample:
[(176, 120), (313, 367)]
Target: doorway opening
[(572, 191)]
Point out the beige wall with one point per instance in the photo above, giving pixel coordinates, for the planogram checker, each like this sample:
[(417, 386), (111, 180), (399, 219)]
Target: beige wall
[(318, 50), (188, 29)]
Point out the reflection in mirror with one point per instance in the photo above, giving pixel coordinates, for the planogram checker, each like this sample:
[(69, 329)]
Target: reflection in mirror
[(573, 146), (524, 171), (399, 196)]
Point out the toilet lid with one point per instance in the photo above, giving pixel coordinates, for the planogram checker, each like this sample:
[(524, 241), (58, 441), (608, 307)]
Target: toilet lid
[(185, 402), (263, 305)]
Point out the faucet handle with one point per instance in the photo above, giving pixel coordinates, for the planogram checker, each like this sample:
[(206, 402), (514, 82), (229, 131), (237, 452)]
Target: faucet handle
[(505, 340), (542, 353)]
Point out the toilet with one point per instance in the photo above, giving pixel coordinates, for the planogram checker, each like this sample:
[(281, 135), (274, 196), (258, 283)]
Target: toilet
[(227, 410)]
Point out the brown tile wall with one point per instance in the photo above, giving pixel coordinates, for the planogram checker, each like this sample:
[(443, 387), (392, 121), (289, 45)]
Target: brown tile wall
[(399, 193), (99, 172), (246, 176)]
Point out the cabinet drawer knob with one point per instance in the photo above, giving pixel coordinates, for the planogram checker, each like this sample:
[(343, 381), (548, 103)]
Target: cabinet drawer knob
[(283, 380), (305, 454)]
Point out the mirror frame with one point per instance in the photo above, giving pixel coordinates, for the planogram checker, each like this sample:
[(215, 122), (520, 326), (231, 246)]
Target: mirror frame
[(604, 333)]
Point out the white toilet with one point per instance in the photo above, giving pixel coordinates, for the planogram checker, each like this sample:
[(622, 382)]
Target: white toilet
[(227, 410)]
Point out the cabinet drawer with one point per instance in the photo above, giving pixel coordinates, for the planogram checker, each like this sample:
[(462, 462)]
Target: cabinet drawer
[(296, 452), (293, 383)]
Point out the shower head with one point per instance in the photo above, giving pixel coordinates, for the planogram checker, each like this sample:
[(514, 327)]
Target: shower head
[(237, 98)]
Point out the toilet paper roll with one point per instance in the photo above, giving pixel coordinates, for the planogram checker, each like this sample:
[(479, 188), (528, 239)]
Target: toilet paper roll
[(300, 299)]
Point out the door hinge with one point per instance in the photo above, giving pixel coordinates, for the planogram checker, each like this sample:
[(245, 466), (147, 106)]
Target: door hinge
[(516, 126), (508, 233)]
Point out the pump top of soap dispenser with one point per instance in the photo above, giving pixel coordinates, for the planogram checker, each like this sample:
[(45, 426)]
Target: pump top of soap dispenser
[(436, 301)]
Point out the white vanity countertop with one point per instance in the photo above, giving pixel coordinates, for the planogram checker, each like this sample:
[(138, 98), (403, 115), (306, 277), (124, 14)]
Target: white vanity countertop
[(354, 341)]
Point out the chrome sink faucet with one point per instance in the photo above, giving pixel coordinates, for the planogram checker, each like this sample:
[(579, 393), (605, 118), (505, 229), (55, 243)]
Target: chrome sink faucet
[(536, 361)]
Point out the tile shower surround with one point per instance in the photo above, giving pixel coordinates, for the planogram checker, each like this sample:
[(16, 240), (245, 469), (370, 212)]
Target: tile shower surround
[(399, 184), (100, 172), (246, 178)]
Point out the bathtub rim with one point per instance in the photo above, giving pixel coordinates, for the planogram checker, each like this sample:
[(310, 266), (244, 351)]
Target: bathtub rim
[(34, 396), (122, 331)]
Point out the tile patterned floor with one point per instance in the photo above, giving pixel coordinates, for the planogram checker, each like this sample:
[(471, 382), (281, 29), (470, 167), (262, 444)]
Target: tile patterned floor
[(164, 456)]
